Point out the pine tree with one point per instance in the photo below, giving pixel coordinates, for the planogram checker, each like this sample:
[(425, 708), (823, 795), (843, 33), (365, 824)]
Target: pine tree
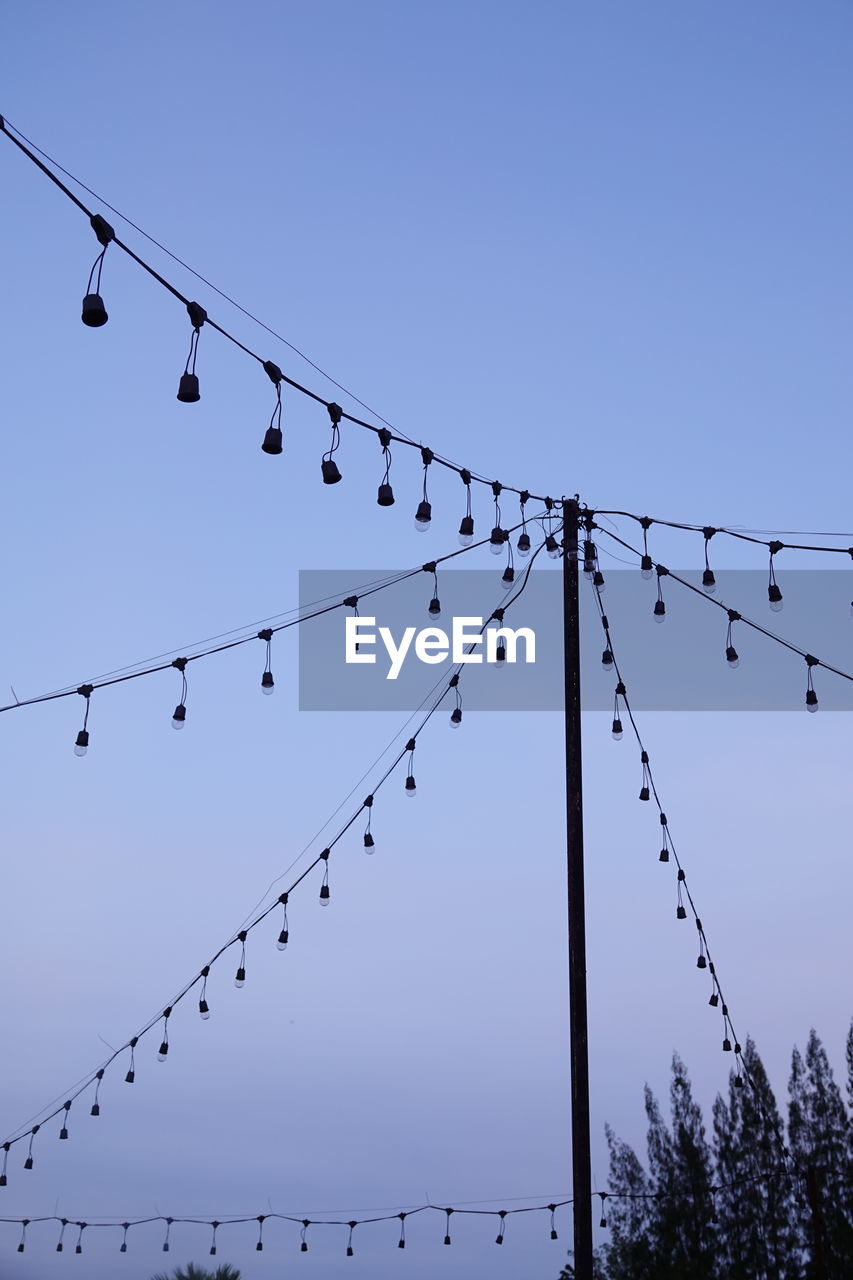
[(756, 1238), (629, 1253), (819, 1138)]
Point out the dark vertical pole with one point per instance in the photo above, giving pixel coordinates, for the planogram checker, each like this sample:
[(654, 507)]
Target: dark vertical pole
[(579, 1051)]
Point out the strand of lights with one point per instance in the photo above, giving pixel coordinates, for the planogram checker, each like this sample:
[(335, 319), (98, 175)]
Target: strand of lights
[(708, 531), (265, 634), (669, 853), (733, 615), (351, 1222), (189, 391), (130, 1046)]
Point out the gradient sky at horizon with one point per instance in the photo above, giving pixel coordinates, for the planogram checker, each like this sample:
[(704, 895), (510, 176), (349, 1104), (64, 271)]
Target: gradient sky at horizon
[(587, 247)]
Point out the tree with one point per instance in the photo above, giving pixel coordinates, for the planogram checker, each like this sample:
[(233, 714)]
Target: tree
[(819, 1136), (756, 1236), (629, 1253), (192, 1272)]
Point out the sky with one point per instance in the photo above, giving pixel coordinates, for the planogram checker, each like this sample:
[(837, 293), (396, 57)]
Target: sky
[(594, 248)]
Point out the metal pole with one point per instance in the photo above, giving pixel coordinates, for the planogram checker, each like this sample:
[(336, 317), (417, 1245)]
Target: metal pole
[(579, 1051)]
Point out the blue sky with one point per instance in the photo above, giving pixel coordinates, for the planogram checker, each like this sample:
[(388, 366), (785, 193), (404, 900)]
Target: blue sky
[(587, 247)]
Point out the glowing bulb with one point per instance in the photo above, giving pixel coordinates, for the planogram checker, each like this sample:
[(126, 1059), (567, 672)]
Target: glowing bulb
[(496, 540), (731, 657), (267, 683), (179, 716), (774, 595), (435, 607), (646, 566), (709, 582), (410, 785), (456, 717), (204, 1009), (552, 547), (466, 531), (659, 611), (617, 729), (81, 746), (523, 548), (811, 700), (423, 516), (240, 977), (607, 660)]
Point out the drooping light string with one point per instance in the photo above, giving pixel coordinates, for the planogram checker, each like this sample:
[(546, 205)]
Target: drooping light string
[(179, 715), (774, 594), (733, 615), (709, 582), (328, 466), (368, 841), (188, 391), (267, 682), (466, 525), (307, 613), (81, 745), (646, 522), (682, 889), (385, 494), (240, 937), (423, 515), (273, 441), (94, 312)]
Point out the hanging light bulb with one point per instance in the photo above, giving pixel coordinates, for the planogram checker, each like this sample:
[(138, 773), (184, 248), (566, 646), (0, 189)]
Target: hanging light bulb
[(331, 474), (81, 746), (663, 856), (617, 729), (811, 700), (598, 580), (188, 389), (423, 516), (646, 566), (410, 785), (385, 495), (435, 607), (466, 531), (496, 541), (369, 842), (500, 655), (94, 311), (456, 717), (709, 582), (522, 546), (324, 895), (727, 1045), (240, 976), (732, 656), (607, 659), (680, 912), (267, 683), (774, 595), (552, 546), (179, 716), (659, 611), (644, 793), (714, 1000), (204, 1009), (163, 1051), (508, 576), (272, 443), (328, 466)]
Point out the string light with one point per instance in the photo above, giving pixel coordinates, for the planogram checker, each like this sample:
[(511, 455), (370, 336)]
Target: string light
[(731, 652), (456, 713), (466, 526), (410, 777), (267, 682), (7, 1147), (774, 595), (163, 1051), (259, 1247), (496, 538), (240, 975), (434, 609), (522, 546), (131, 1071), (324, 887), (352, 1226), (95, 1109), (369, 842), (660, 606), (203, 1006), (284, 936), (188, 390), (603, 1222), (272, 441), (81, 745), (215, 1226), (447, 1212), (63, 1225), (709, 582), (385, 494), (179, 715), (165, 1248), (306, 1223), (644, 789), (811, 696), (28, 1163), (423, 515), (617, 729), (499, 1238), (680, 911), (94, 312), (329, 468), (645, 559)]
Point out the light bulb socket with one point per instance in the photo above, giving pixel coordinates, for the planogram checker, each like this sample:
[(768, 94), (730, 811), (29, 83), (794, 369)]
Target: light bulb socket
[(644, 793), (552, 546), (811, 700), (369, 842), (709, 582), (508, 576), (423, 516), (267, 682), (659, 610), (496, 540), (598, 579), (466, 530), (607, 659), (434, 607), (324, 893), (385, 495), (681, 913), (204, 1008), (272, 440), (240, 977), (410, 785), (727, 1045), (456, 717), (663, 856), (732, 656), (331, 473), (94, 311), (774, 595), (188, 392), (179, 716), (523, 544), (646, 566), (81, 745), (616, 729)]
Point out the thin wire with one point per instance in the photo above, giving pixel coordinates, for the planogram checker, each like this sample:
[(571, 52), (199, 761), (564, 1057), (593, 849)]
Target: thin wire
[(743, 536), (22, 1131), (313, 395)]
